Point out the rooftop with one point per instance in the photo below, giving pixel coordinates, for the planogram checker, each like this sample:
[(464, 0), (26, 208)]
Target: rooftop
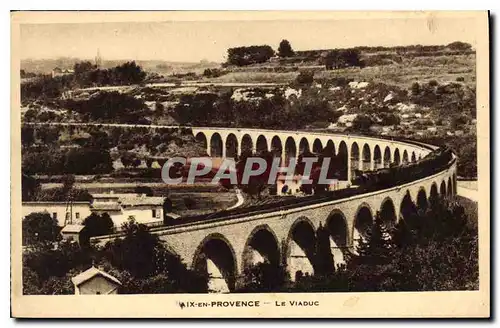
[(91, 273)]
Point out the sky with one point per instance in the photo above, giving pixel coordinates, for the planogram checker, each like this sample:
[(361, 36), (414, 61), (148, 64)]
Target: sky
[(192, 41)]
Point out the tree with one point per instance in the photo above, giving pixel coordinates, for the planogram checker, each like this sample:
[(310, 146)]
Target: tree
[(362, 122), (149, 264), (256, 184), (241, 56), (264, 277), (285, 49), (29, 187), (458, 45), (97, 225), (305, 78), (40, 227)]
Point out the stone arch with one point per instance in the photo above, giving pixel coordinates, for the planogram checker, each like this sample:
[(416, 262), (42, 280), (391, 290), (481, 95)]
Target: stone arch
[(216, 145), (354, 158), (397, 157), (413, 157), (388, 212), (300, 248), (261, 246), (387, 157), (363, 222), (377, 158), (422, 202), (246, 144), (330, 148), (450, 187), (261, 144), (276, 146), (405, 157), (343, 158), (433, 195), (231, 146), (304, 146), (317, 146), (202, 138), (290, 148), (442, 189), (336, 225), (366, 158), (216, 256)]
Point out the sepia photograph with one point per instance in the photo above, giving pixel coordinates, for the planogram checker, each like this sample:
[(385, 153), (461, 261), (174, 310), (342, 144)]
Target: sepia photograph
[(271, 164)]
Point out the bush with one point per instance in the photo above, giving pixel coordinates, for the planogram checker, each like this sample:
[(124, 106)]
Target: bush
[(40, 227), (241, 56), (97, 225)]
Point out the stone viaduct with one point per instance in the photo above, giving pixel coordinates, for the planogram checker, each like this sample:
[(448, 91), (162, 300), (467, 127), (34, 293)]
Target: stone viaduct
[(365, 153), (226, 247)]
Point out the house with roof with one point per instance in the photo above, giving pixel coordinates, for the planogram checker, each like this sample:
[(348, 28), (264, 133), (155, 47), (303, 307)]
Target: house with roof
[(72, 231), (95, 282), (61, 71), (120, 207)]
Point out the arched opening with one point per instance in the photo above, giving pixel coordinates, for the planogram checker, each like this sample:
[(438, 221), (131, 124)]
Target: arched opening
[(304, 146), (449, 189), (388, 213), (343, 160), (363, 223), (329, 150), (413, 157), (354, 159), (397, 157), (261, 247), (215, 257), (337, 229), (317, 146), (201, 138), (231, 146), (301, 249), (422, 199), (442, 189), (366, 165), (261, 144), (377, 158), (216, 145), (276, 146), (246, 144), (434, 196), (407, 209), (290, 148), (387, 157), (405, 157)]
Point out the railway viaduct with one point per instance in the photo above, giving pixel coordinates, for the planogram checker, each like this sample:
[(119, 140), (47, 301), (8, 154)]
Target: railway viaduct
[(229, 245)]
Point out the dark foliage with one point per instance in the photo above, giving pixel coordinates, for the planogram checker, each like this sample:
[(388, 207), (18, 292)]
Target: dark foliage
[(241, 56)]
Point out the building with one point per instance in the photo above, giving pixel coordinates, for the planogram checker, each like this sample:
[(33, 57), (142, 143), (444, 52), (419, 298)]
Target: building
[(61, 72), (120, 207), (64, 212), (95, 282), (72, 231), (288, 187)]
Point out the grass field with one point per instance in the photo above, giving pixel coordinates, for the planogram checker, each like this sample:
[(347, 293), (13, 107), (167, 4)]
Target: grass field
[(417, 69)]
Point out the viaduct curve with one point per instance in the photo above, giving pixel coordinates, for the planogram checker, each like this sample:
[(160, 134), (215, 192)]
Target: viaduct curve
[(288, 236)]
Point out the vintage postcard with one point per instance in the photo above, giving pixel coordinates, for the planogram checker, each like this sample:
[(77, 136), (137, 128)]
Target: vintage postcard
[(250, 164)]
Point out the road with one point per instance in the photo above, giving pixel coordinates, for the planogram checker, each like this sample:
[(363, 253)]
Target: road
[(183, 85), (468, 189)]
